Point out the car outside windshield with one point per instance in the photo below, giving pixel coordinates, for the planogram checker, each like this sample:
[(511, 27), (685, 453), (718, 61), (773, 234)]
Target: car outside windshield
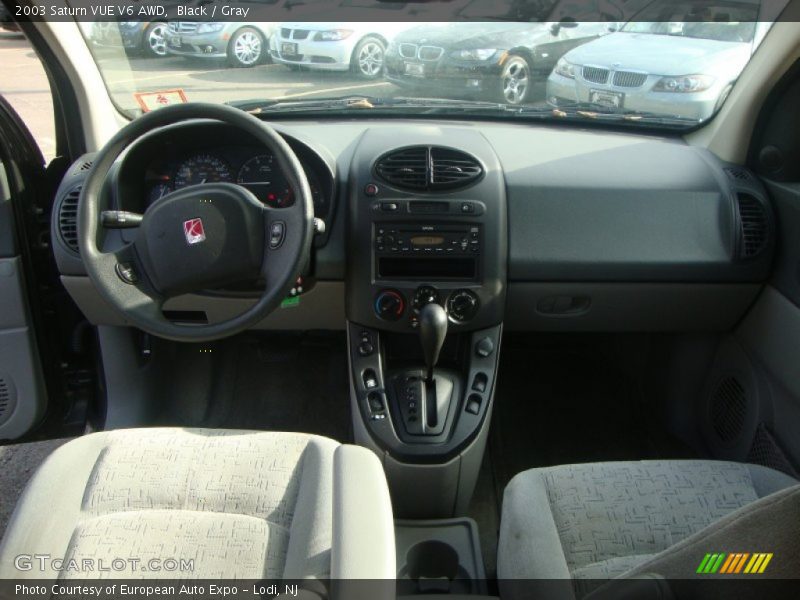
[(626, 62)]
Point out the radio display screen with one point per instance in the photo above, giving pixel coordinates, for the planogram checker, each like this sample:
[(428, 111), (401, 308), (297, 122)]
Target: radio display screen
[(427, 240)]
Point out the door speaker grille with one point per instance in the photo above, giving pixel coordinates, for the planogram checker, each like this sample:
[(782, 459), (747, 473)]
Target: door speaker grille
[(8, 398), (728, 409)]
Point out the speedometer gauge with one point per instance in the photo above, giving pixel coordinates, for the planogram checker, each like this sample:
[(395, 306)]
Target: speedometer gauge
[(203, 168), (264, 178)]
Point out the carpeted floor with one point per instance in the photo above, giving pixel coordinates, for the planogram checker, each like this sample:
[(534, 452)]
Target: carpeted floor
[(18, 463), (302, 387)]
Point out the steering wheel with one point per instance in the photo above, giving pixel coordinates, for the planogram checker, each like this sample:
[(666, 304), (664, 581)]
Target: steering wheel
[(198, 237)]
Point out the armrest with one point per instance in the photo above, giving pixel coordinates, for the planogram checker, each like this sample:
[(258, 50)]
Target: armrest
[(363, 526)]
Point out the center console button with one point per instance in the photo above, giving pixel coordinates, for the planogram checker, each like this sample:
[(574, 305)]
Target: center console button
[(425, 294), (484, 347)]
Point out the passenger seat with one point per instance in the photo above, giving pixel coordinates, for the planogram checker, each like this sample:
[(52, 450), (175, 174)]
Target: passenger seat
[(585, 524)]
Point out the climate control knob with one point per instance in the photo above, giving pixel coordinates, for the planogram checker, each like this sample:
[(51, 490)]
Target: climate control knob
[(462, 306), (390, 305)]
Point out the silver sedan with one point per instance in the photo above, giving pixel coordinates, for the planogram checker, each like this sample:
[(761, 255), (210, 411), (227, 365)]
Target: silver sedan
[(643, 68)]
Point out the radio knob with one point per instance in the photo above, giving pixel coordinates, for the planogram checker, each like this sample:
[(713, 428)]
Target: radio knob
[(462, 305), (389, 305)]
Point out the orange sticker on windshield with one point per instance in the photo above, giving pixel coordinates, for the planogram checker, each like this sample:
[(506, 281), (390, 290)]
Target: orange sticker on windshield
[(152, 100)]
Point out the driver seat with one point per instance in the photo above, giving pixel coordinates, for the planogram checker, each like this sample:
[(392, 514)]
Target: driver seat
[(238, 504)]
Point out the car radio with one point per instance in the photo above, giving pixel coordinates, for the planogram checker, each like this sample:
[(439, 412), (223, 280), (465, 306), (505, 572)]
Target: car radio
[(427, 240), (429, 251)]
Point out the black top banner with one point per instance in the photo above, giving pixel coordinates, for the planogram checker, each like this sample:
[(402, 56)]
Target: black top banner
[(554, 11)]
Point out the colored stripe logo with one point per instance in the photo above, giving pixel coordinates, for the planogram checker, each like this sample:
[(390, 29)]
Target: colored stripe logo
[(735, 563)]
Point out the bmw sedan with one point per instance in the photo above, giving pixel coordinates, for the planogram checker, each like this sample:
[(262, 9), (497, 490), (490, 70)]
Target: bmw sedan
[(332, 46), (496, 60), (644, 68)]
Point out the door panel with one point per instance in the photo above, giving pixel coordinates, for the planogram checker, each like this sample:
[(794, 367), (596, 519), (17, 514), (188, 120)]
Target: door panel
[(23, 396), (770, 334), (22, 393)]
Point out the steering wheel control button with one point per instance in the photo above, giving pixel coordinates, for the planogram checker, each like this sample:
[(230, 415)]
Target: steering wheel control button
[(126, 272), (371, 189), (277, 233), (462, 306), (390, 305)]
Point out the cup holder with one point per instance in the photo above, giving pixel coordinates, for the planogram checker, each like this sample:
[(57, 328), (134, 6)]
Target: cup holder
[(433, 566)]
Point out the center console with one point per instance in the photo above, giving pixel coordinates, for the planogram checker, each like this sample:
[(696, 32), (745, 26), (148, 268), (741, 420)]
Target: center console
[(426, 284)]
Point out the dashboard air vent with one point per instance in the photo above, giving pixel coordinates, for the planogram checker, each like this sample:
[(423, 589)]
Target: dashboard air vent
[(428, 168), (753, 225), (407, 168), (68, 218), (452, 168)]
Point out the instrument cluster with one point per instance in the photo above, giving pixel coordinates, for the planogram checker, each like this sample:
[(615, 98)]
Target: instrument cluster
[(255, 169)]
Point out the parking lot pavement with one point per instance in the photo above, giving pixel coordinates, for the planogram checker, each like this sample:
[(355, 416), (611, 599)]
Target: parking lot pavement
[(24, 84)]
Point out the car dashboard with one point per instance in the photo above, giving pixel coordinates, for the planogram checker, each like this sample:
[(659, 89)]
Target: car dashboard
[(575, 230)]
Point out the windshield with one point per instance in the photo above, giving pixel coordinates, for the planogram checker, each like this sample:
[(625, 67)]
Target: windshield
[(543, 59)]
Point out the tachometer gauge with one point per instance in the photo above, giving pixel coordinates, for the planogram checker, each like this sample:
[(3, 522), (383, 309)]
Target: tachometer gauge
[(203, 168), (264, 178)]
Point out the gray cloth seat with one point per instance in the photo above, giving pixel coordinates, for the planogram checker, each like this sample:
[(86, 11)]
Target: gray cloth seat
[(593, 522), (237, 504)]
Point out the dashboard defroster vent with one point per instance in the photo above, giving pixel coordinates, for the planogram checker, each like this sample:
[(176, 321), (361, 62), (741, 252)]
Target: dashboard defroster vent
[(428, 168), (753, 224), (68, 218)]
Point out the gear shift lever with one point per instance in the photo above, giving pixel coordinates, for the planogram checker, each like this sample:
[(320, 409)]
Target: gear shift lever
[(432, 331)]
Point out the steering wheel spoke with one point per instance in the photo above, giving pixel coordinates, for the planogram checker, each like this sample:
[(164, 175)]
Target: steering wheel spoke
[(131, 272)]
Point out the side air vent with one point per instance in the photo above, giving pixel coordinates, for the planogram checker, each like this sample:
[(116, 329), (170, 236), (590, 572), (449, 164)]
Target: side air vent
[(8, 399), (428, 168), (728, 409), (406, 168), (753, 224), (68, 218), (452, 168), (738, 174)]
